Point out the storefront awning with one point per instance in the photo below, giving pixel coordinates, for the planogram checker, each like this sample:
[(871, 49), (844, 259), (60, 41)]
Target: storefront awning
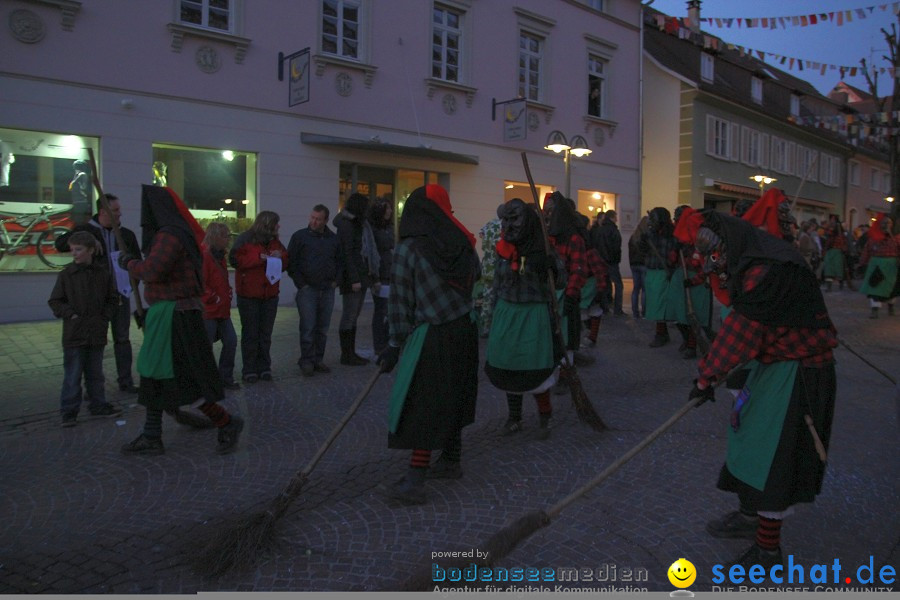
[(753, 192), (316, 139)]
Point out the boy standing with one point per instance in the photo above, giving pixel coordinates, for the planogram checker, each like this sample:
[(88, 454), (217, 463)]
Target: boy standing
[(85, 298)]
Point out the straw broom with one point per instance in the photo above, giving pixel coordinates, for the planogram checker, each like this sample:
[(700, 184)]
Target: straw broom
[(241, 544), (583, 406), (505, 541)]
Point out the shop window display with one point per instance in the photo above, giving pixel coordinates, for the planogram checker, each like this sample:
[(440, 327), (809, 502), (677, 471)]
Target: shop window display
[(45, 189), (215, 184)]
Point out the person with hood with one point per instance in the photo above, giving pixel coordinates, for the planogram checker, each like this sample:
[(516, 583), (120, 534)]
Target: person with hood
[(360, 260), (522, 356), (781, 420), (660, 249), (692, 285), (880, 258), (835, 243), (637, 260), (259, 258), (176, 361), (101, 227), (609, 244), (431, 317)]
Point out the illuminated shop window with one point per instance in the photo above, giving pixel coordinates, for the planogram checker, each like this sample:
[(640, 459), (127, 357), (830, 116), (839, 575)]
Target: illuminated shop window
[(215, 184)]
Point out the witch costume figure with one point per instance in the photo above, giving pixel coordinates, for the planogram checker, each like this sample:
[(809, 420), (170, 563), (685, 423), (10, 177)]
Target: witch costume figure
[(432, 322), (779, 328)]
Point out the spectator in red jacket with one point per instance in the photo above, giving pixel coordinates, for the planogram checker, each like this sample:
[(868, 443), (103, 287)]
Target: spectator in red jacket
[(216, 298), (257, 259)]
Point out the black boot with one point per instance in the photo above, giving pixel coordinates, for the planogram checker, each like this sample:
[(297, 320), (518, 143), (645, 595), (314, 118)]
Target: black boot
[(410, 489), (348, 356)]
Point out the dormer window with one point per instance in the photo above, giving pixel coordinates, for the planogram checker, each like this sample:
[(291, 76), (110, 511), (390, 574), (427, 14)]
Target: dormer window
[(795, 105), (756, 89), (707, 67)]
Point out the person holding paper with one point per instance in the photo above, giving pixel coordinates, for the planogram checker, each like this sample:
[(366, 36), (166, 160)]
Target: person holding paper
[(101, 227), (257, 259)]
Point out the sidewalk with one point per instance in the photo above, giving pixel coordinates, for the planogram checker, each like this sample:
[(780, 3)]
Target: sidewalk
[(80, 517)]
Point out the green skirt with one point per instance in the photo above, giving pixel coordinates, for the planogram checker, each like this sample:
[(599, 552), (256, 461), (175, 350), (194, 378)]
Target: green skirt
[(520, 354), (887, 266), (656, 286), (834, 264)]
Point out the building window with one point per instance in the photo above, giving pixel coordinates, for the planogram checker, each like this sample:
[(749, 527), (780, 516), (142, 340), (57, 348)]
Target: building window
[(531, 49), (719, 141), (756, 90), (595, 4), (853, 172), (341, 28), (707, 67), (795, 105), (886, 183), (597, 86), (46, 188), (446, 46), (828, 170), (215, 184), (750, 147), (805, 159), (875, 180), (210, 14)]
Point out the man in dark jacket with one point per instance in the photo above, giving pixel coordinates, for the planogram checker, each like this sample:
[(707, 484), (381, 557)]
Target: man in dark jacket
[(314, 263), (609, 244), (101, 227)]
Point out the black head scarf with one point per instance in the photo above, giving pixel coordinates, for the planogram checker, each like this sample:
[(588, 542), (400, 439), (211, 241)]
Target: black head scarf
[(788, 295), (162, 210), (441, 241), (563, 218)]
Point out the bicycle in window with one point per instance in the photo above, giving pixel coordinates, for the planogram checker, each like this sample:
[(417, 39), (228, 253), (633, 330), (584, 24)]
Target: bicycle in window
[(33, 235)]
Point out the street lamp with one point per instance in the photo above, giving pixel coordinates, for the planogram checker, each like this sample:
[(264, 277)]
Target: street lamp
[(763, 181), (889, 198), (557, 142)]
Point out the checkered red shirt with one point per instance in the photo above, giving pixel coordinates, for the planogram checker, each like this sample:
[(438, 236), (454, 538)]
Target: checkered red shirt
[(741, 339), (168, 274), (572, 253)]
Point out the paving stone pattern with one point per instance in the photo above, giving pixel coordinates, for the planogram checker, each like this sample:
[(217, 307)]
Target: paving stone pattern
[(80, 517)]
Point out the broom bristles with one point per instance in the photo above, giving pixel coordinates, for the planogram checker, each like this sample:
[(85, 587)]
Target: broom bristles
[(237, 546), (583, 406)]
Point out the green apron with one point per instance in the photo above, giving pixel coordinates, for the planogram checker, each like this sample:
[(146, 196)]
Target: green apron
[(155, 357), (587, 293), (656, 286), (521, 337), (888, 267), (752, 447), (406, 369)]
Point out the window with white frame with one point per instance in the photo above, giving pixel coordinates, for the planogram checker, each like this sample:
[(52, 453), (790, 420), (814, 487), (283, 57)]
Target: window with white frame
[(805, 158), (750, 146), (764, 147), (531, 54), (209, 14), (875, 180), (756, 90), (778, 155), (718, 137), (795, 105), (707, 67), (446, 43), (596, 86), (828, 169), (853, 172), (342, 28)]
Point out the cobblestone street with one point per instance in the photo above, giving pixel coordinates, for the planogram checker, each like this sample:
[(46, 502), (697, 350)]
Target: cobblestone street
[(83, 518)]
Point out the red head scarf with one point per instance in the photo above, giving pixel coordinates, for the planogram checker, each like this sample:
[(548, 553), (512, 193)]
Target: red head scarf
[(875, 232), (764, 213), (439, 196), (689, 222)]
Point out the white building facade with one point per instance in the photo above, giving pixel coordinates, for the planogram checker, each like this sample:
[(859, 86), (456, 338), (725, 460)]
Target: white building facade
[(390, 95)]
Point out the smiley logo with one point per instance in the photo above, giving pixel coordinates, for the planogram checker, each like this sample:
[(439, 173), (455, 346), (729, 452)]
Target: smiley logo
[(682, 573)]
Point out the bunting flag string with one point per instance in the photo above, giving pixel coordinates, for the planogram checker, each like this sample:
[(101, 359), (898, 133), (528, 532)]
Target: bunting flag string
[(839, 17), (681, 28)]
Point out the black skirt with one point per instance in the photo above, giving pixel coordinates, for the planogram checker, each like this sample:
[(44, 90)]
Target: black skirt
[(442, 393), (797, 472), (196, 373)]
